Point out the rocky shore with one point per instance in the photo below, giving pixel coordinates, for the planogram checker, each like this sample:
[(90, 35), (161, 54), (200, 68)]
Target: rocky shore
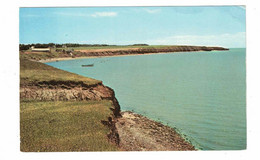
[(138, 133)]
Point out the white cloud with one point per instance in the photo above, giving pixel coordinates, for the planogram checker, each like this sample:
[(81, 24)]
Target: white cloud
[(104, 14), (152, 11), (224, 40)]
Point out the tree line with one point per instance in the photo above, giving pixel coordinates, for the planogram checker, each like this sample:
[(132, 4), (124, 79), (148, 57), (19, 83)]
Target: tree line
[(46, 45)]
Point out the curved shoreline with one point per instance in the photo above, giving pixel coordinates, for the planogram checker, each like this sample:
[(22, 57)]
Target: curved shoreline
[(129, 131), (90, 57), (79, 54), (148, 133)]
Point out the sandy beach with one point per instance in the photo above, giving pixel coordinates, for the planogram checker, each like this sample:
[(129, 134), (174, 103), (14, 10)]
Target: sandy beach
[(89, 57)]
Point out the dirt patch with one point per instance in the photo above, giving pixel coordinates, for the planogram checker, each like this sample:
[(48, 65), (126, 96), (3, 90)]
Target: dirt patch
[(138, 133)]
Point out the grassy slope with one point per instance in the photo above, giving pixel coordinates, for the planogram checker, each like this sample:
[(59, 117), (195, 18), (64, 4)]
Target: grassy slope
[(46, 55), (33, 72), (61, 126), (40, 55), (65, 126), (116, 47)]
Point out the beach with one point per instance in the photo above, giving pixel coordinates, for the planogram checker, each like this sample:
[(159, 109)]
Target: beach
[(90, 57)]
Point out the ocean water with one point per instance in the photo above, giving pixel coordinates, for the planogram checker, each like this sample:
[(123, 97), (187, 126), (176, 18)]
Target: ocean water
[(202, 94)]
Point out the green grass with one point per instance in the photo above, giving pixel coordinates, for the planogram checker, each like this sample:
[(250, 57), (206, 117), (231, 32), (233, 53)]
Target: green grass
[(115, 47), (65, 126), (35, 72), (103, 47), (61, 125), (39, 55)]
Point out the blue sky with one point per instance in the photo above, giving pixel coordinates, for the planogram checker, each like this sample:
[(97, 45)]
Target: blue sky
[(211, 26)]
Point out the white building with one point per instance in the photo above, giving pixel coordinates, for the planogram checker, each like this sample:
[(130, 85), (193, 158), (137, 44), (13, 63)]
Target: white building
[(49, 49)]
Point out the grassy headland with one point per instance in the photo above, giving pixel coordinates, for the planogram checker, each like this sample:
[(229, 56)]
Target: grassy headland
[(37, 73), (68, 125)]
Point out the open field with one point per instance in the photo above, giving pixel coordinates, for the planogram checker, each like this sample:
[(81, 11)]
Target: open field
[(65, 126), (116, 47), (41, 55)]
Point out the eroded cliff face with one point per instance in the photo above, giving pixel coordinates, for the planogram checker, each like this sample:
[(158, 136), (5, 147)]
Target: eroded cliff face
[(58, 91), (114, 52), (117, 51)]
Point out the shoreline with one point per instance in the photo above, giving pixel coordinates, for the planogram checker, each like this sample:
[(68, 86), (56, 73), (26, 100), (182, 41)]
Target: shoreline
[(139, 133), (91, 57), (112, 52)]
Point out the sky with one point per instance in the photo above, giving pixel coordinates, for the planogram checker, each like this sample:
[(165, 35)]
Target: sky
[(210, 26)]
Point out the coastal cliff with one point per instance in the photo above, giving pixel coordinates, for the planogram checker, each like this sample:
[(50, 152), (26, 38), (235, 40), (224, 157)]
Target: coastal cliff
[(113, 52), (61, 91), (65, 108), (129, 131), (47, 86), (77, 52)]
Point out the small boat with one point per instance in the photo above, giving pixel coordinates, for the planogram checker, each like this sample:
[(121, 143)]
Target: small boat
[(87, 65)]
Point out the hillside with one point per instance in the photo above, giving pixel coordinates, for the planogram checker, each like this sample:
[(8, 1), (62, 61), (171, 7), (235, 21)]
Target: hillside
[(62, 111)]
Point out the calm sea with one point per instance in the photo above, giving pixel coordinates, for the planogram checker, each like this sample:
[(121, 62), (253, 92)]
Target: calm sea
[(202, 94)]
